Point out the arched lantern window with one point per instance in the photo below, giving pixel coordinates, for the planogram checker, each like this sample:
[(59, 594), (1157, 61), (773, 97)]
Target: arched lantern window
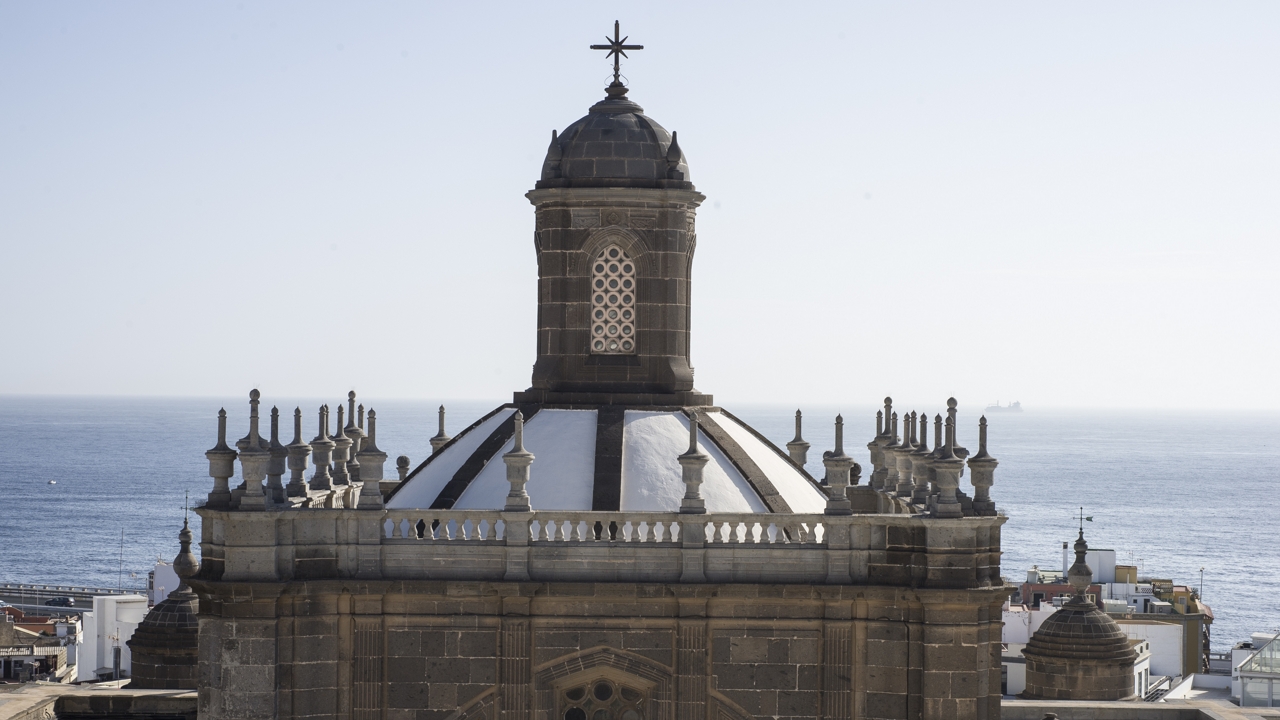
[(613, 303)]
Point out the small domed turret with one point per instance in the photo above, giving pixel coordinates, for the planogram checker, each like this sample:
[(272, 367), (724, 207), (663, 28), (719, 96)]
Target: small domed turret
[(165, 644)]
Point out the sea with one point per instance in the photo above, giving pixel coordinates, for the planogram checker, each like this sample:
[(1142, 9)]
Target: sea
[(93, 490)]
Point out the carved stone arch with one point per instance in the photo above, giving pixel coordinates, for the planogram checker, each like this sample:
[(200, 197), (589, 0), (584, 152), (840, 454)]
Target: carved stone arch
[(631, 243), (722, 708), (481, 707), (637, 671)]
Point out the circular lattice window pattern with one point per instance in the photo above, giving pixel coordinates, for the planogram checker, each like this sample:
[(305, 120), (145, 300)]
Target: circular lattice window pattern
[(613, 303), (602, 700)]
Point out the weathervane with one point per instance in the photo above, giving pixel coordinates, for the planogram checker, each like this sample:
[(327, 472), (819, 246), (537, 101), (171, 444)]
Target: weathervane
[(616, 48)]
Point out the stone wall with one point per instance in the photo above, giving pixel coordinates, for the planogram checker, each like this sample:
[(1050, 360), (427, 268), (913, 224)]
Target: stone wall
[(426, 650)]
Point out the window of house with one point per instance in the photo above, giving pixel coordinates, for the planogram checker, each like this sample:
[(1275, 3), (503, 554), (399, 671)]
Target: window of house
[(602, 700), (613, 303)]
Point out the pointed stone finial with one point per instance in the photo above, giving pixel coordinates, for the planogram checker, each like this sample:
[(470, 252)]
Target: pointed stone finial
[(360, 424), (691, 464), (322, 454), (341, 451), (222, 465), (518, 461), (798, 449), (947, 468), (922, 470), (551, 164), (254, 459), (879, 423), (838, 466), (299, 454), (371, 462), (937, 435), (876, 448), (222, 430), (674, 156), (402, 467), (888, 412), (279, 456), (909, 432), (441, 438), (982, 470), (351, 411)]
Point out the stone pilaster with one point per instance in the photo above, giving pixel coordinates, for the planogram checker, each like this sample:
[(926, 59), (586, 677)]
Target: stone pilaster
[(514, 668), (691, 660)]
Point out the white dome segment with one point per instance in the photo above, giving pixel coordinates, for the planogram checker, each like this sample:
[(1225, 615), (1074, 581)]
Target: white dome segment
[(563, 473), (424, 485), (801, 493), (651, 479), (746, 474)]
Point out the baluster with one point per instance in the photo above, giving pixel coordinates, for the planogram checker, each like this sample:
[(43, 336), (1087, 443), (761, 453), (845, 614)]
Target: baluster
[(650, 534), (422, 530), (628, 532), (500, 533)]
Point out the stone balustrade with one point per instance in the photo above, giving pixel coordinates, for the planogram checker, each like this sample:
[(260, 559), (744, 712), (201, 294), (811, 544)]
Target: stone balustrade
[(589, 546)]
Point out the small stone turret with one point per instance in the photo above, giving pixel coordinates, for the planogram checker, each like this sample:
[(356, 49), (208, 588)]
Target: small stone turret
[(1079, 652), (165, 645), (222, 465)]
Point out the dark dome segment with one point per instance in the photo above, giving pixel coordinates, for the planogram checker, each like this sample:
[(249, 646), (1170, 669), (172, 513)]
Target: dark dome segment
[(615, 145)]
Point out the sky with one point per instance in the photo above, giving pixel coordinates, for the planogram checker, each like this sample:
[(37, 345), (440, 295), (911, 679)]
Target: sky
[(1070, 205)]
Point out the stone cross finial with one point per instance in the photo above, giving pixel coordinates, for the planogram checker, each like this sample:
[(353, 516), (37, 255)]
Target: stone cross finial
[(518, 461), (185, 564), (279, 455), (617, 48), (691, 464), (253, 461), (372, 461), (402, 467), (299, 453), (798, 449), (1080, 575), (441, 437), (322, 454), (982, 468), (222, 466), (838, 465)]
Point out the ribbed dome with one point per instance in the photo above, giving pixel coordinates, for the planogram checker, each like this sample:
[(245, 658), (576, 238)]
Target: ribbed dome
[(615, 145), (1080, 631), (165, 645)]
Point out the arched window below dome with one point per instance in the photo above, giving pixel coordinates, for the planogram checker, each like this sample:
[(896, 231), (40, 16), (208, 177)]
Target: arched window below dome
[(602, 699), (613, 303)]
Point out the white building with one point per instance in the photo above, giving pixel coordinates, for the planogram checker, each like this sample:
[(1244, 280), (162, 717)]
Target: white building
[(111, 623), (163, 580)]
